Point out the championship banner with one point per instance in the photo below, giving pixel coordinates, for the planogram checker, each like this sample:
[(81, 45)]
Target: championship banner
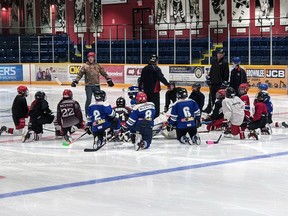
[(60, 21), (95, 15), (80, 16), (46, 17), (240, 13), (274, 77), (218, 13), (14, 20), (186, 75), (11, 73), (48, 72), (29, 14), (264, 12), (194, 11), (284, 12)]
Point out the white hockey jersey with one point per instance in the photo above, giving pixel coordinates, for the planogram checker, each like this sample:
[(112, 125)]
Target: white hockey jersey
[(233, 109)]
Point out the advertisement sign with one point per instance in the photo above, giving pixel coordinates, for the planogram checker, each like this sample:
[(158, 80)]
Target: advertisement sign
[(186, 75), (273, 77), (132, 73), (11, 73), (46, 72)]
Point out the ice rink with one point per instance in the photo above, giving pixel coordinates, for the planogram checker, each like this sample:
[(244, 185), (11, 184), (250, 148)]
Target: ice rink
[(44, 178)]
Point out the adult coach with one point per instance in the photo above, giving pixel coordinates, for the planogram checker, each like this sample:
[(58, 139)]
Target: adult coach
[(149, 82), (92, 71), (218, 76)]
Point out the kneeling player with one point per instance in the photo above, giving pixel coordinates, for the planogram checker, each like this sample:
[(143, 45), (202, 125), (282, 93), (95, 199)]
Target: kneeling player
[(19, 112), (68, 114), (141, 121), (40, 114), (101, 117), (185, 116)]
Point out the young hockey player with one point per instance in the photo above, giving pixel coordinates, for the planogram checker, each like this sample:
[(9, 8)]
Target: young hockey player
[(40, 114), (68, 115), (141, 122), (197, 95), (216, 116), (185, 116), (19, 112), (121, 110), (242, 91), (264, 88), (132, 93), (238, 75), (259, 119), (233, 109), (170, 96), (101, 117)]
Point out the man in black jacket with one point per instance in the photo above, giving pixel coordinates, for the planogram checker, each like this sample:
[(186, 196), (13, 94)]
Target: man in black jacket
[(149, 82), (218, 76)]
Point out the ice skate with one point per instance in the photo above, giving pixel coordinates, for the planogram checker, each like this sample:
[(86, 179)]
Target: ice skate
[(196, 139), (3, 128)]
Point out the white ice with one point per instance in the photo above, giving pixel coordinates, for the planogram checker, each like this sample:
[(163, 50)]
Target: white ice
[(247, 178)]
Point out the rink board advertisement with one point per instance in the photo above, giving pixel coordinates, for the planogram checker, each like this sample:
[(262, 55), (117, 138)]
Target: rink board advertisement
[(186, 75), (264, 12), (116, 72), (48, 72), (11, 73), (275, 77), (240, 13)]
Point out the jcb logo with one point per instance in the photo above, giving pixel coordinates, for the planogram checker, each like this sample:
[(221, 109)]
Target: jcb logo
[(74, 69), (275, 73), (134, 71)]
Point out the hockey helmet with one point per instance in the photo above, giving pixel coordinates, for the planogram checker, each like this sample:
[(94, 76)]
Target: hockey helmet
[(262, 96), (91, 54), (196, 87), (230, 92), (120, 102), (40, 95), (67, 94), (236, 60), (133, 91), (243, 88), (263, 86), (182, 93), (23, 90), (141, 97), (153, 58), (220, 94), (100, 95)]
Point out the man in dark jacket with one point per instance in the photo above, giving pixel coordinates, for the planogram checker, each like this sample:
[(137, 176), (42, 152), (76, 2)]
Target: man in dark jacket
[(218, 76), (149, 82), (238, 75)]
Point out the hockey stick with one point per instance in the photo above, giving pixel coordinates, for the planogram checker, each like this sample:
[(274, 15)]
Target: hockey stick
[(65, 143), (59, 82), (214, 142), (99, 147)]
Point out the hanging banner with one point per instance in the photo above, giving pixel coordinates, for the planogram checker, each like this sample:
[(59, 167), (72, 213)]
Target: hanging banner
[(95, 15), (284, 12), (177, 14), (218, 13), (80, 16), (264, 12), (240, 13), (29, 13), (194, 13), (46, 16), (60, 13), (14, 18)]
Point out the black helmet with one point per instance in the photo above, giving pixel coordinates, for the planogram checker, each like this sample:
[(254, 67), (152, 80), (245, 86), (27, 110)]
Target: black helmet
[(100, 95), (153, 58), (196, 86), (182, 93), (230, 92), (40, 95), (262, 96), (120, 102)]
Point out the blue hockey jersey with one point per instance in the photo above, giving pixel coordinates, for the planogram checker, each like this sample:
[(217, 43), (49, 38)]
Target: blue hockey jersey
[(269, 104), (99, 116), (142, 114), (184, 113)]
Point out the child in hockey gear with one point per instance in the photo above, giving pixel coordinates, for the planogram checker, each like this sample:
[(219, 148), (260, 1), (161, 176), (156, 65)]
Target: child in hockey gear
[(141, 121), (170, 96), (185, 116), (132, 93), (238, 75), (233, 109), (68, 114), (19, 112), (197, 95), (259, 119), (242, 91), (264, 88), (217, 116), (40, 114), (101, 117)]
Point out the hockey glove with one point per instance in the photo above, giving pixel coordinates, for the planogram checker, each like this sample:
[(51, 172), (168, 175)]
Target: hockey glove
[(88, 130), (74, 83), (109, 82), (169, 127)]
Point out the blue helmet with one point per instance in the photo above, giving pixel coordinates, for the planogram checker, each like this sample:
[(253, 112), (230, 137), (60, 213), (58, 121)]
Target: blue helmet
[(236, 60), (263, 87), (133, 91)]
